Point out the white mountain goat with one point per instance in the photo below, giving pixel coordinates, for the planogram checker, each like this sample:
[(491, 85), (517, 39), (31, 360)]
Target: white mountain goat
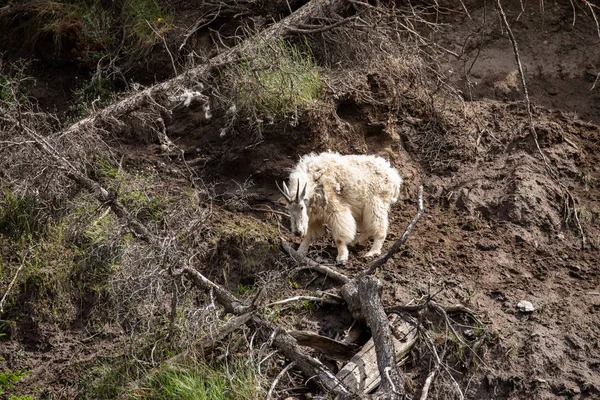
[(350, 194)]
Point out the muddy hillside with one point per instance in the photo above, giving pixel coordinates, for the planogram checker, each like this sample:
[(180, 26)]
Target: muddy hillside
[(146, 251)]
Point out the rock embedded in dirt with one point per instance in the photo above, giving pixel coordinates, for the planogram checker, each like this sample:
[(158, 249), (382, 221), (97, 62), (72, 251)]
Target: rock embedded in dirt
[(525, 306)]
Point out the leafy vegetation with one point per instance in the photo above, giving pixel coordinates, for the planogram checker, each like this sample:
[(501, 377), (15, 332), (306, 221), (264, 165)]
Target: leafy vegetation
[(8, 379), (276, 81)]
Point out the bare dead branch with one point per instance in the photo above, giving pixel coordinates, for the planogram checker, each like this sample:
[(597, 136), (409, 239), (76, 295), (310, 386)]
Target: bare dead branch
[(309, 366), (278, 378), (392, 380), (206, 343), (320, 29), (155, 99), (199, 24)]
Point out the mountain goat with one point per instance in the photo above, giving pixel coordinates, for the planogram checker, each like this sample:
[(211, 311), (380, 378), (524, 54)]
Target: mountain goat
[(350, 194)]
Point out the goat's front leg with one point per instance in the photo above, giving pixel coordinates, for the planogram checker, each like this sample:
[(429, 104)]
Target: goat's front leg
[(315, 229), (303, 249)]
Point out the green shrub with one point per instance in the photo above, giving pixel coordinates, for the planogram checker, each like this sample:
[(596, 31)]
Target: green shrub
[(275, 81)]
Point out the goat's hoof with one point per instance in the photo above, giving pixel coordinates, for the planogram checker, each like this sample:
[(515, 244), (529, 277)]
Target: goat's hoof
[(370, 256)]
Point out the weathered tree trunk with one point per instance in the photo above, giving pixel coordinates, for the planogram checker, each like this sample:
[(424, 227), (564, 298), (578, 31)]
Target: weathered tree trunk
[(392, 380)]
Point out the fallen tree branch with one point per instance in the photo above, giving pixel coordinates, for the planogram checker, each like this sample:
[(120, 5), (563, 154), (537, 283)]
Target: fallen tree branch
[(224, 297), (392, 380), (206, 343), (278, 378), (309, 365), (328, 347), (320, 29)]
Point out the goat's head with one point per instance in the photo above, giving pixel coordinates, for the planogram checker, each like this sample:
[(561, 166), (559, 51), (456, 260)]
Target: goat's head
[(296, 207)]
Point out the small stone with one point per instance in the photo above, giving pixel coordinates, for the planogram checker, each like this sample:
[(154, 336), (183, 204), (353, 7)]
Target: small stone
[(164, 147), (525, 306), (469, 334)]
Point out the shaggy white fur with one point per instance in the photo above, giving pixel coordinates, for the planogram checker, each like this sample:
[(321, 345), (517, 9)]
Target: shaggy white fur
[(350, 194)]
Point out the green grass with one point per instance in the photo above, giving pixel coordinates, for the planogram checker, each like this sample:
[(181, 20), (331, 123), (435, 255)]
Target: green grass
[(61, 263), (134, 189), (234, 380), (276, 81), (8, 379), (144, 19), (203, 380), (21, 216)]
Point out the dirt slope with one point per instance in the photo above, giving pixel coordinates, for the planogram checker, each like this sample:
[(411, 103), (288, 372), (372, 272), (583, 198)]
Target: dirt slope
[(499, 226)]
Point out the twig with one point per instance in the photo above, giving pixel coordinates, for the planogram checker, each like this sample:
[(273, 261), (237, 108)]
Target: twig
[(396, 246), (196, 27), (439, 362), (278, 377), (270, 210), (430, 378), (10, 285), (591, 7), (166, 47), (442, 311)]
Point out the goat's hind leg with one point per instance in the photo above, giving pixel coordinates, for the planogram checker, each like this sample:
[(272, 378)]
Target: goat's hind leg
[(343, 229), (378, 227)]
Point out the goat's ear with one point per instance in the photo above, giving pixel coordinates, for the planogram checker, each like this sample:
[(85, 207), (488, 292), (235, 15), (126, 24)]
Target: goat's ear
[(283, 201)]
